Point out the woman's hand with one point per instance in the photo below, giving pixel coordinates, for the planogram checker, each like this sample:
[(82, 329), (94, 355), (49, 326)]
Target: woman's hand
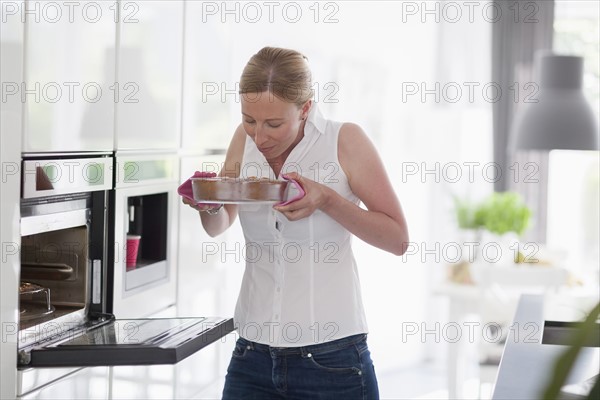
[(211, 208), (208, 207), (316, 196)]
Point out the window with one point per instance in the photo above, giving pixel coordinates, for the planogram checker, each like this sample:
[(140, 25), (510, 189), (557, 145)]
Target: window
[(573, 177)]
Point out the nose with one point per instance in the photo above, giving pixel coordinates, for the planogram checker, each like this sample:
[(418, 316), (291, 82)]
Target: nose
[(259, 136)]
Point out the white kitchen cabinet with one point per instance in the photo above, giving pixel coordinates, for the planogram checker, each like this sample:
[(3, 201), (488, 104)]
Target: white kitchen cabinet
[(149, 68), (69, 75), (210, 89), (85, 383), (11, 70)]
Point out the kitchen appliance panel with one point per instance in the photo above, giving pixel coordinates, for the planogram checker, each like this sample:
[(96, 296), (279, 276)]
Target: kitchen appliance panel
[(69, 87), (63, 247), (149, 67), (211, 115), (145, 205)]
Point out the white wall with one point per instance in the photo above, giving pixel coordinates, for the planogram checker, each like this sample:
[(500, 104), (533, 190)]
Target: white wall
[(363, 58)]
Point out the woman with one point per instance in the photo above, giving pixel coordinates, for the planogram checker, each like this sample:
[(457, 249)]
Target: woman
[(299, 313)]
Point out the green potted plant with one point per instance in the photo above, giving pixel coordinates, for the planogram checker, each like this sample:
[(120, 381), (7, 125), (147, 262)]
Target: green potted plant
[(502, 213), (500, 218), (499, 213)]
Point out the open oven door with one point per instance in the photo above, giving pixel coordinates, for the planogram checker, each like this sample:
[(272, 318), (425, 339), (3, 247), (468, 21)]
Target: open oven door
[(128, 342)]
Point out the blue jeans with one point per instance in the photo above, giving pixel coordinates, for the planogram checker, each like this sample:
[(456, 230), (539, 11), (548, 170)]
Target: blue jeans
[(340, 369)]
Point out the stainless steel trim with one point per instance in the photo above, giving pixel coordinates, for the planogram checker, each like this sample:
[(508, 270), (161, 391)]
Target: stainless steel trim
[(96, 281), (52, 177), (66, 154), (53, 222)]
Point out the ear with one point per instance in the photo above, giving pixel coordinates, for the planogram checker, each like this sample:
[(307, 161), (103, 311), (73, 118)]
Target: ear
[(306, 108)]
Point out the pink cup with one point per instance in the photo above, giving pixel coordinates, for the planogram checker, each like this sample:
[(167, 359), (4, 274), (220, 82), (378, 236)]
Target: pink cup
[(133, 244)]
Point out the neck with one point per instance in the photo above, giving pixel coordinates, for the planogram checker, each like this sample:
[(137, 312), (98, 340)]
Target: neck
[(276, 163)]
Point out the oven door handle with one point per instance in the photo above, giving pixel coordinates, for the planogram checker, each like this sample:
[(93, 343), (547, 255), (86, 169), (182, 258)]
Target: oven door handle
[(53, 222)]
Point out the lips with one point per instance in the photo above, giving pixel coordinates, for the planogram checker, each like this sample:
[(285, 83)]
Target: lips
[(265, 149)]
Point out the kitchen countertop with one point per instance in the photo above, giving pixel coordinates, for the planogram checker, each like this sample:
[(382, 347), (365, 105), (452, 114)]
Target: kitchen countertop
[(527, 364)]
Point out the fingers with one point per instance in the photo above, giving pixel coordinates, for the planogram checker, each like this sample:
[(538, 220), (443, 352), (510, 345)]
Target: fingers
[(293, 206), (296, 215), (199, 206), (300, 208), (201, 174), (187, 201), (293, 175), (296, 210)]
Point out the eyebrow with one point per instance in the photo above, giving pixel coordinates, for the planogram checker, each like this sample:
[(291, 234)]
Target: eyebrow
[(268, 119)]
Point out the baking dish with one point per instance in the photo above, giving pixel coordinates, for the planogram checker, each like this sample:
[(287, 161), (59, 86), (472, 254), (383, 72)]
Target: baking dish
[(237, 190)]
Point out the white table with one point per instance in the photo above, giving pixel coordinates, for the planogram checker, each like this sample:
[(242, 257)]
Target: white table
[(468, 300)]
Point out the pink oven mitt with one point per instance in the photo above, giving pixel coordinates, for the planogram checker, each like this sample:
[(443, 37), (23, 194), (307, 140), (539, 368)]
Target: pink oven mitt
[(185, 189), (293, 192)]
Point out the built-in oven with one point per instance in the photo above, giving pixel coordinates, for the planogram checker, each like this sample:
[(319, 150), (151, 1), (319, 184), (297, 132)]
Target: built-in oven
[(69, 284), (144, 212)]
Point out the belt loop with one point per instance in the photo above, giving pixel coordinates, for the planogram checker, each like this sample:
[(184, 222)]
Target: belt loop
[(303, 351)]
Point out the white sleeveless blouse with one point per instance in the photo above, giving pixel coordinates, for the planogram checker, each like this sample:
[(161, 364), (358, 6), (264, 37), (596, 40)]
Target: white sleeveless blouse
[(301, 284)]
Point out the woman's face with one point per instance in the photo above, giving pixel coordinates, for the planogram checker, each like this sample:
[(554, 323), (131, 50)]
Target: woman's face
[(274, 124)]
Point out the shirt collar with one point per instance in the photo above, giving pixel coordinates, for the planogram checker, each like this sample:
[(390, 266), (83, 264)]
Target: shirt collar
[(316, 119)]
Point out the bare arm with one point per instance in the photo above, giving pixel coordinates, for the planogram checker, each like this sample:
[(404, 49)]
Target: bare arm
[(383, 224), (218, 223)]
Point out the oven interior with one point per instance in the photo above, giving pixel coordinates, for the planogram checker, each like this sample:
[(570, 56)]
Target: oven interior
[(54, 275), (59, 244)]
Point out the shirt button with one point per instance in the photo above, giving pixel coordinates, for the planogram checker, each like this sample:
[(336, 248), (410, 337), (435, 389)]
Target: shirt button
[(276, 316), (278, 289)]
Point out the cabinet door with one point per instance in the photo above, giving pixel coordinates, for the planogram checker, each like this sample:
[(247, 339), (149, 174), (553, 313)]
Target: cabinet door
[(87, 383), (149, 75), (211, 107), (69, 76)]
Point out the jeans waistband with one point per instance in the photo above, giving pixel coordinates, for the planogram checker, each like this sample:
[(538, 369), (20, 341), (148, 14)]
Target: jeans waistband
[(303, 350)]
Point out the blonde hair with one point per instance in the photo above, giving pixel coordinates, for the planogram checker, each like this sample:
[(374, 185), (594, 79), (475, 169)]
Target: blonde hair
[(282, 72)]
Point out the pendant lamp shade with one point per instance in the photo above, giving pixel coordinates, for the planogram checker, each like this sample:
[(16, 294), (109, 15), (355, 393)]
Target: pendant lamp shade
[(561, 118)]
